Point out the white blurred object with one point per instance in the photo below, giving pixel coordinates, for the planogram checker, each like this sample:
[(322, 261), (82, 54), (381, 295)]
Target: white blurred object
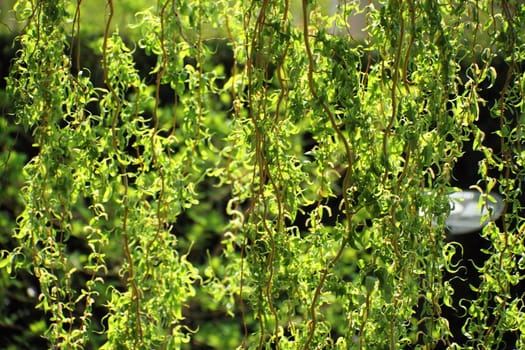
[(356, 21), (467, 211)]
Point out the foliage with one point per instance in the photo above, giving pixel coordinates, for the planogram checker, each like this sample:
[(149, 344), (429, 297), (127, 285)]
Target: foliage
[(296, 195)]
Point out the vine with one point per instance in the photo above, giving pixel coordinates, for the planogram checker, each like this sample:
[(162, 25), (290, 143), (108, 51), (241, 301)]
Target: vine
[(247, 174)]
